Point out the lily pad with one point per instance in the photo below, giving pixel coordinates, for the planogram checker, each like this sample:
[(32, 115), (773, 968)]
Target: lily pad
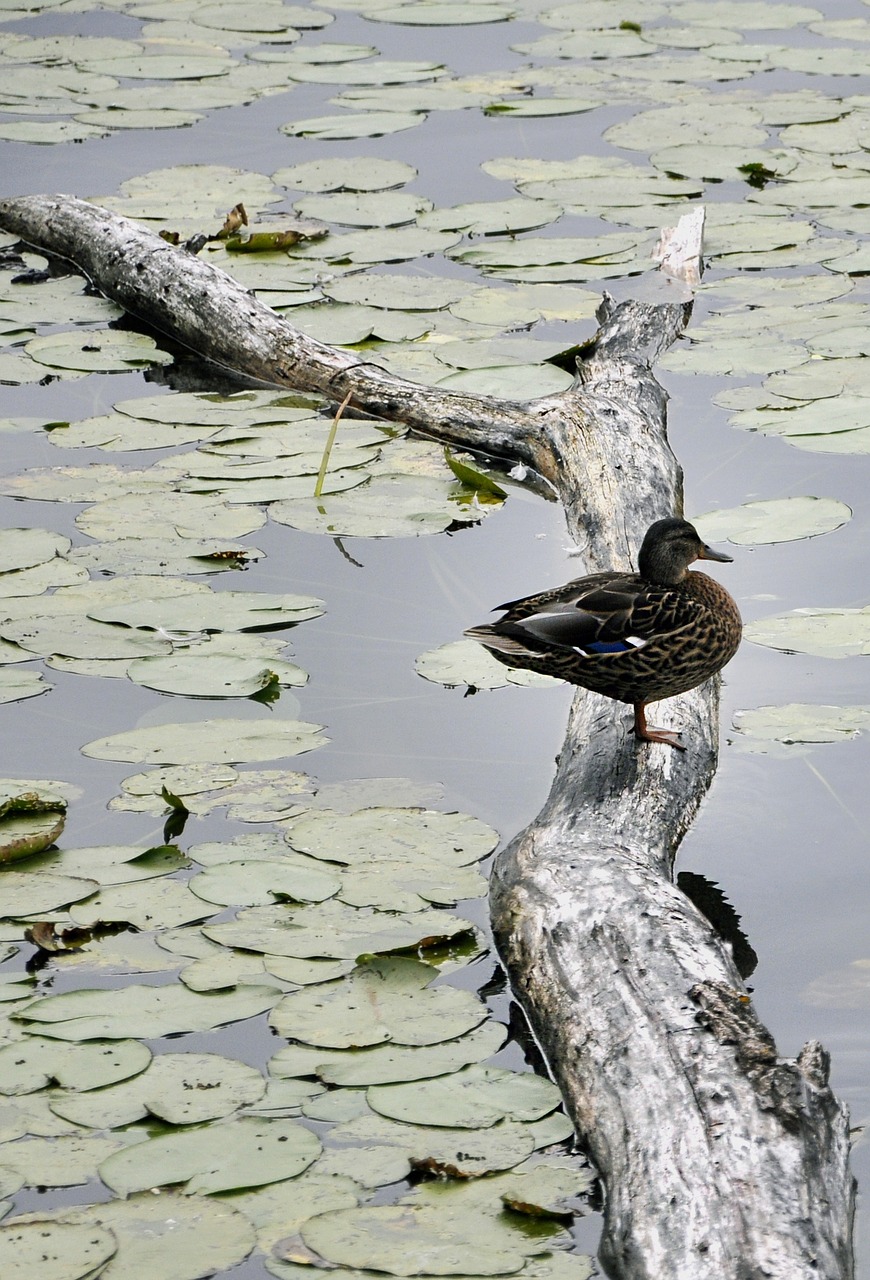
[(108, 351), (264, 881), (333, 930), (208, 742), (475, 1097), (465, 662), (220, 1157), (180, 1088), (388, 999), (456, 839), (388, 506), (826, 633), (800, 722), (142, 1011), (776, 520), (54, 1250), (33, 1063)]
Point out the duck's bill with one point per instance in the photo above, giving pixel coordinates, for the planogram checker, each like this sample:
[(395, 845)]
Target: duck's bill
[(707, 553)]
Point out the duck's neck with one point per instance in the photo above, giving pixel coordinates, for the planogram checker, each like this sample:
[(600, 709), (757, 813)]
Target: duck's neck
[(656, 564)]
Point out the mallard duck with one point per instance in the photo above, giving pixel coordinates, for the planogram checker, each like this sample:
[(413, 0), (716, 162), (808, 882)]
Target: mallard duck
[(635, 637)]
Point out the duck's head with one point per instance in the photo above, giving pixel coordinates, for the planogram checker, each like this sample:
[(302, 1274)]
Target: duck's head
[(668, 549)]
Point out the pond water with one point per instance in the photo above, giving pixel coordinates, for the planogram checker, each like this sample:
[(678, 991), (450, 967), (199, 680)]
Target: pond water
[(784, 829)]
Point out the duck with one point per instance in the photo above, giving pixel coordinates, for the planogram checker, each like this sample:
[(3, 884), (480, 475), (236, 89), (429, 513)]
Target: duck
[(634, 637)]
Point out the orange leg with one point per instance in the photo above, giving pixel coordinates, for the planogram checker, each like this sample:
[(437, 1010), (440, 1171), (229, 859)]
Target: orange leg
[(649, 733)]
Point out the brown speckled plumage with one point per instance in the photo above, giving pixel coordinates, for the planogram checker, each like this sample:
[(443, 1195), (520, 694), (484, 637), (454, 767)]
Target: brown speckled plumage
[(635, 637)]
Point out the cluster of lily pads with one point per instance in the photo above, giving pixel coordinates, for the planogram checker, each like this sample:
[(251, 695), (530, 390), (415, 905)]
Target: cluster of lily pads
[(334, 919)]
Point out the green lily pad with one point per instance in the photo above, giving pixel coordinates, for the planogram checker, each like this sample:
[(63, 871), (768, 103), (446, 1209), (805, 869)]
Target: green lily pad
[(408, 1240), (455, 839), (208, 742), (61, 1160), (171, 1236), (388, 506), (333, 930), (826, 633), (365, 124), (220, 1157), (35, 1062), (15, 686), (799, 722), (54, 1250), (474, 1097), (388, 1063), (263, 881), (142, 1011), (465, 662), (776, 520), (180, 1088), (369, 173), (388, 999), (106, 351)]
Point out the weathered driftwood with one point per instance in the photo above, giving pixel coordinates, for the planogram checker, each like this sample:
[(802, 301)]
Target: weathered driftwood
[(721, 1161)]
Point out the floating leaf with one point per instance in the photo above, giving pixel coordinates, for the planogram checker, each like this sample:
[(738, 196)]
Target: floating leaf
[(219, 1157), (333, 930), (826, 633), (456, 839), (798, 722), (389, 1063), (263, 881), (106, 351), (54, 1250), (15, 686), (776, 520), (35, 1062), (180, 1088), (464, 662), (209, 742), (384, 1000), (474, 1097), (142, 1011)]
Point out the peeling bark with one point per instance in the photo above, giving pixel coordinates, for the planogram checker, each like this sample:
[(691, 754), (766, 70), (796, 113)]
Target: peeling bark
[(721, 1161)]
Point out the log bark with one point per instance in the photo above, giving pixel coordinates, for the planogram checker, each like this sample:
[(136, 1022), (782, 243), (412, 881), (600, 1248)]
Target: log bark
[(721, 1161)]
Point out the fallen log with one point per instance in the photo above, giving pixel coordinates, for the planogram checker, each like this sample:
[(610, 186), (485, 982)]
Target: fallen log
[(721, 1161)]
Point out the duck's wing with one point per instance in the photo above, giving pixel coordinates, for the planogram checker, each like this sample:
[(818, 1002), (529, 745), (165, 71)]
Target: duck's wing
[(601, 615)]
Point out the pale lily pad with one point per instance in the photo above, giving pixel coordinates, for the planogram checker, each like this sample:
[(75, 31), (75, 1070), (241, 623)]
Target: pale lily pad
[(36, 893), (180, 1088), (367, 124), (475, 1097), (776, 520), (826, 633), (798, 722), (401, 293), (142, 1011), (15, 686), (455, 839), (213, 674), (432, 14), (220, 1157), (154, 904), (280, 1209), (408, 1240), (212, 611), (24, 548), (108, 351), (388, 999), (54, 1250), (333, 930), (170, 555), (465, 662), (389, 1063), (169, 1236), (388, 506), (63, 1160), (30, 820), (368, 209), (262, 881), (35, 1062), (190, 515), (208, 742), (369, 173)]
